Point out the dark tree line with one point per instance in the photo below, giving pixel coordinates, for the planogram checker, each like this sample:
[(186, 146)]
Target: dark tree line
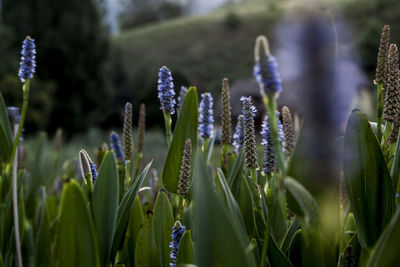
[(72, 86)]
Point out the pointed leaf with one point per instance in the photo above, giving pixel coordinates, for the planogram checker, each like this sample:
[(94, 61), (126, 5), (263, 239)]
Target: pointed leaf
[(186, 249), (6, 141), (76, 244), (367, 179), (146, 251), (163, 223), (186, 127), (105, 204), (124, 211)]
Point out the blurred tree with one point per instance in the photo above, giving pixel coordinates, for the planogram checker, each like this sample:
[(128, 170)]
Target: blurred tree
[(140, 12), (72, 60)]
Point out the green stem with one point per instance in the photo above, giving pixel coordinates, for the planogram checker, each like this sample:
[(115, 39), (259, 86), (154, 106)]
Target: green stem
[(270, 106), (13, 162), (138, 162), (25, 90), (253, 174), (168, 121), (379, 110), (224, 159)]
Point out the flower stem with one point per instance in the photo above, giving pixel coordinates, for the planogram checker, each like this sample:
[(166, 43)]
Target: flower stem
[(13, 162), (270, 106), (167, 121)]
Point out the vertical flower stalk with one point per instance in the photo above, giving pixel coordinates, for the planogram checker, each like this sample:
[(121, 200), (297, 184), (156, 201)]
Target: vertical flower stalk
[(88, 167), (181, 96), (288, 130), (127, 139), (250, 152), (177, 233), (268, 78), (26, 71), (206, 120), (226, 123), (381, 72), (184, 174), (265, 68), (238, 136), (166, 95), (116, 147), (270, 165), (140, 137), (391, 109)]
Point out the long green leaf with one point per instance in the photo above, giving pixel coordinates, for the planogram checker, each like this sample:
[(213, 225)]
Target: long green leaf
[(105, 204), (219, 241), (301, 202), (146, 250), (124, 211), (386, 252), (5, 132), (186, 127), (186, 253), (76, 243), (367, 179), (163, 223)]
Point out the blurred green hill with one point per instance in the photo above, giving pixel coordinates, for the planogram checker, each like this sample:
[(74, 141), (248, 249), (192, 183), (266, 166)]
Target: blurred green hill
[(199, 50)]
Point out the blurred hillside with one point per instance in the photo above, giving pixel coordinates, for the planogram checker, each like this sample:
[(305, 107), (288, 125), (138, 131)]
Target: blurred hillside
[(201, 50)]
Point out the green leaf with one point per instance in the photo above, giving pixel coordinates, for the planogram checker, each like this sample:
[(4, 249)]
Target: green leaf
[(235, 173), (367, 180), (219, 241), (6, 141), (163, 223), (275, 255), (43, 248), (386, 252), (186, 127), (395, 170), (289, 234), (186, 253), (297, 249), (146, 250), (124, 211), (105, 204), (301, 202), (76, 243), (135, 222), (245, 202)]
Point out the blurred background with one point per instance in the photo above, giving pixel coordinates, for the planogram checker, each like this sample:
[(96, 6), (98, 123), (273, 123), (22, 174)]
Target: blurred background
[(95, 55)]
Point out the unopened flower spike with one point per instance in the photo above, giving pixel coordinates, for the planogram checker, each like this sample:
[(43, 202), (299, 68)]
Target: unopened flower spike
[(177, 233), (115, 145), (127, 138), (250, 152), (166, 92), (28, 59), (184, 174), (238, 136), (87, 165), (265, 68), (391, 110), (181, 96), (270, 165), (382, 60), (288, 130), (206, 119), (226, 113)]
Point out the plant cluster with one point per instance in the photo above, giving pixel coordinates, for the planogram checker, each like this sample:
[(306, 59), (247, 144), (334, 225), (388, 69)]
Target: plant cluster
[(237, 214)]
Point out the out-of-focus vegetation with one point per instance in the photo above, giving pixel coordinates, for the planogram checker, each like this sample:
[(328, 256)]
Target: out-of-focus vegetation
[(79, 85)]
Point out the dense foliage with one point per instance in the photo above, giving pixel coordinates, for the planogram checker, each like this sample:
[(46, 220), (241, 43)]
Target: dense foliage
[(194, 214)]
